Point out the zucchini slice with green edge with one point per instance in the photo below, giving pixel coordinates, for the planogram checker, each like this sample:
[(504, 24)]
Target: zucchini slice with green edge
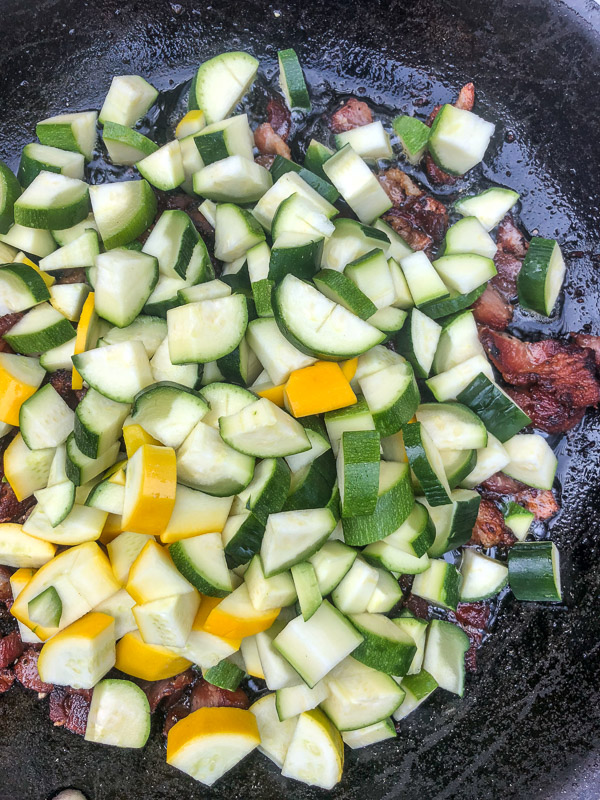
[(201, 560), (118, 371), (417, 687), (291, 80), (424, 283), (163, 370), (372, 275), (21, 288), (464, 272), (449, 384), (353, 418), (439, 585), (81, 469), (56, 501), (236, 231), (413, 135), (45, 419), (395, 501), (164, 168), (266, 593), (37, 158), (119, 714), (389, 320), (386, 595), (532, 460), (541, 276), (293, 536), (264, 430), (220, 83), (317, 326), (418, 341), (358, 472), (370, 734), (482, 577), (35, 241), (229, 137), (318, 183), (69, 235), (392, 396), (382, 554), (453, 303), (205, 462), (518, 519), (416, 534), (150, 331), (168, 412), (80, 252), (172, 242), (307, 588), (385, 646), (290, 182), (128, 99), (296, 254), (360, 695), (350, 240), (10, 190), (341, 290), (315, 646), (123, 210), (42, 328), (458, 341), (499, 413), (125, 145), (206, 330), (445, 655), (52, 201), (294, 700), (416, 628), (316, 155), (316, 752), (242, 537), (534, 571), (232, 180), (311, 485), (397, 247), (458, 464), (370, 141), (224, 399), (123, 282), (426, 463), (458, 139), (489, 207), (454, 522), (75, 132), (332, 562), (225, 675), (356, 183), (490, 459), (468, 236), (452, 426), (297, 214), (46, 608)]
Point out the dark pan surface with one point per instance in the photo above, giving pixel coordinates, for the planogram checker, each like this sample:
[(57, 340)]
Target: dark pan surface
[(528, 726)]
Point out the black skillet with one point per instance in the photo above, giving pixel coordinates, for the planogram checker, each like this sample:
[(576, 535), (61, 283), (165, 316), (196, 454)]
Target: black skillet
[(529, 724)]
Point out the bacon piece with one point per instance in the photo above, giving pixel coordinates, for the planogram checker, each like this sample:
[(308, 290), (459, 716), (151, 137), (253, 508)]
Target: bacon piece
[(499, 485), (510, 239), (491, 309), (76, 275), (398, 186), (565, 370), (182, 202), (269, 142), (540, 502), (175, 713), (428, 214), (436, 174), (265, 161), (589, 341), (8, 320), (490, 529), (353, 114), (417, 605), (11, 648), (69, 708), (279, 118), (27, 672), (508, 267), (61, 381), (156, 691), (416, 216), (473, 619), (404, 227), (10, 508), (7, 678), (5, 590), (545, 410), (205, 695), (466, 97)]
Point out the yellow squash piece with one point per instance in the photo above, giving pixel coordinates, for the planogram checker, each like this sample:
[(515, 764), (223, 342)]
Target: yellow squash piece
[(190, 123), (153, 575), (150, 485), (195, 513), (316, 753), (168, 620), (349, 368), (18, 581), (316, 389), (273, 393), (80, 655), (235, 617), (134, 437), (20, 377), (210, 741), (150, 662), (86, 327), (82, 577), (21, 258), (18, 549), (112, 528)]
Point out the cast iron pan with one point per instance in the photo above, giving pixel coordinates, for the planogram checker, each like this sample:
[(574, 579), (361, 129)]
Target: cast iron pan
[(528, 726)]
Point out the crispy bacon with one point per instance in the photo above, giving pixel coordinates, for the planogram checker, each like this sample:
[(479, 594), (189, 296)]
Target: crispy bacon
[(5, 590), (404, 227), (510, 239), (10, 508), (565, 371), (76, 275), (436, 174), (589, 341), (265, 161), (473, 618), (279, 118), (205, 695), (499, 485), (508, 267), (418, 217), (27, 672), (540, 502), (492, 310), (8, 320), (69, 708), (269, 142), (156, 691), (428, 214), (353, 114), (61, 381), (7, 678), (398, 186), (545, 409), (11, 648), (490, 530)]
